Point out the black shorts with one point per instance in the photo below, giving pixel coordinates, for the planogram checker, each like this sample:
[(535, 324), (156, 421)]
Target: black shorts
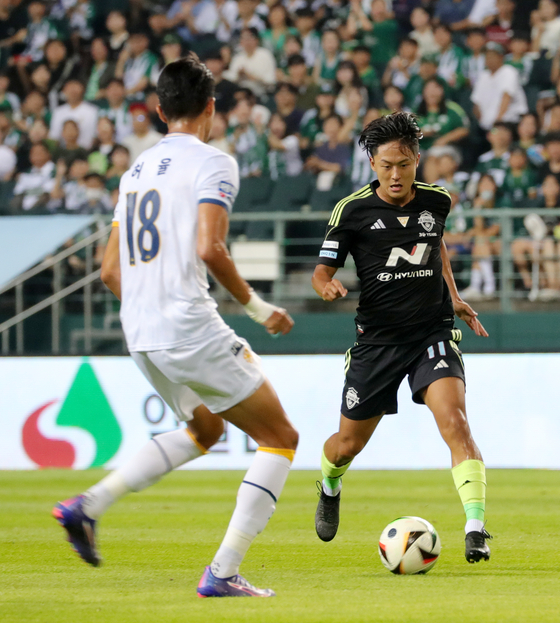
[(374, 373)]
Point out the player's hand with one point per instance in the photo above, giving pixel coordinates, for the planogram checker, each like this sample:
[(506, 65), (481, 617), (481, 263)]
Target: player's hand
[(334, 290), (465, 312), (279, 322)]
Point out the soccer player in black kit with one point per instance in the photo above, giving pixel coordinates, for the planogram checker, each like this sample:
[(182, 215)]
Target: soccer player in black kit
[(394, 228)]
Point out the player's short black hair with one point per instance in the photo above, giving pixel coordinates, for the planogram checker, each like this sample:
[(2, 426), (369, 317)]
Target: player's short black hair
[(184, 88), (398, 126)]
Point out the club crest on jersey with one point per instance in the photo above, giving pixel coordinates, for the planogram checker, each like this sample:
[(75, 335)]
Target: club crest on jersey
[(427, 220), (352, 398)]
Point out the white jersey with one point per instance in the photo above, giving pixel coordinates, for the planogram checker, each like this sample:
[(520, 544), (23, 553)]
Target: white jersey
[(165, 299)]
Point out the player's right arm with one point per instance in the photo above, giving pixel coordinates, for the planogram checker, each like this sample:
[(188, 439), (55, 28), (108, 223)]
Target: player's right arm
[(213, 251), (328, 288)]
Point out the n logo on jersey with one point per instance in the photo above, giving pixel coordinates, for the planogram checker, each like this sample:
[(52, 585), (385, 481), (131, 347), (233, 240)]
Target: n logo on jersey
[(418, 257)]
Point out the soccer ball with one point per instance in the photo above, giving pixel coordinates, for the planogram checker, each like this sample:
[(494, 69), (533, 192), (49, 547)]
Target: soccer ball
[(409, 545)]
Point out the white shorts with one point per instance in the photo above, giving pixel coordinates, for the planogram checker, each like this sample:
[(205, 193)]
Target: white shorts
[(220, 373)]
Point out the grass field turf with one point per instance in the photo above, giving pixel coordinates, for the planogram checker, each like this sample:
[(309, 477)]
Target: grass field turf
[(156, 544)]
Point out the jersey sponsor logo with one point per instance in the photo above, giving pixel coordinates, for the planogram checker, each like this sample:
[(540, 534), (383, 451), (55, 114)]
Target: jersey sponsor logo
[(236, 348), (379, 224), (414, 273), (403, 220), (385, 276), (226, 188), (331, 254), (427, 220), (419, 255), (352, 398), (330, 244)]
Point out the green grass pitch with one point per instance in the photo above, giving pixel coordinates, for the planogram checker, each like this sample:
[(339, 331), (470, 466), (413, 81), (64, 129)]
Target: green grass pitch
[(156, 543)]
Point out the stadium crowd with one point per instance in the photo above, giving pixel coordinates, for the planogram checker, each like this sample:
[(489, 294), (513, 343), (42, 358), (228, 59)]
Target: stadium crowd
[(296, 81)]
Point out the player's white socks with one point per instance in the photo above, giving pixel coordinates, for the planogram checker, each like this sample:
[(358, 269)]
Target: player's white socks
[(474, 525), (158, 457), (256, 501)]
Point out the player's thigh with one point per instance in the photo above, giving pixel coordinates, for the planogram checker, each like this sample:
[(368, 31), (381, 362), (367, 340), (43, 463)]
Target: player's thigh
[(220, 368), (262, 417), (443, 359), (180, 398), (373, 376)]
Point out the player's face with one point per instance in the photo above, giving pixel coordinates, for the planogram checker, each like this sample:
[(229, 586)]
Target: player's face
[(395, 166)]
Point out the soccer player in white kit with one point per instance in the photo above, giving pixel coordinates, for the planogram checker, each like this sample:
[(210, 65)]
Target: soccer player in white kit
[(170, 223)]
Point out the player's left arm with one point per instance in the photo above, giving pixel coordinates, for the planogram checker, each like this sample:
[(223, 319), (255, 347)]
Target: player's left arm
[(111, 265), (462, 309)]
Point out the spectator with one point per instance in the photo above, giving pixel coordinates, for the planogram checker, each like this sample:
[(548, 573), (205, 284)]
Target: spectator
[(116, 25), (361, 57), (552, 152), (119, 164), (37, 133), (449, 175), (423, 33), (292, 46), (247, 17), (451, 57), (427, 70), (9, 102), (527, 130), (362, 172), (475, 62), (248, 143), (442, 122), (452, 12), (69, 189), (115, 108), (485, 243), (496, 161), (97, 200), (328, 59), (298, 77), (260, 115), (254, 67), (224, 89), (81, 18), (520, 57), (143, 135), (218, 134), (356, 108), (498, 94), (274, 38), (101, 73), (311, 128), (8, 160), (38, 80), (402, 66), (520, 184), (499, 27), (152, 102), (32, 108), (546, 28), (38, 31), (32, 189), (137, 66), (283, 158), (332, 156), (393, 100), (171, 48), (310, 39), (83, 113), (380, 34), (524, 247), (98, 159), (347, 81), (69, 149)]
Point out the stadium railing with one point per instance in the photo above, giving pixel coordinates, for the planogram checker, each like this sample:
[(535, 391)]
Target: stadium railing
[(275, 250)]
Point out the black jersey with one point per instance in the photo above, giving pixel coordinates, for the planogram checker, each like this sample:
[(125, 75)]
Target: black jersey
[(397, 254)]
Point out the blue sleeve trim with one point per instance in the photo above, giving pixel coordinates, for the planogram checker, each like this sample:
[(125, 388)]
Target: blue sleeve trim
[(216, 201)]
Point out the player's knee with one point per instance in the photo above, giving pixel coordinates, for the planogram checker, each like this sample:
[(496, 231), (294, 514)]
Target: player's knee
[(348, 448), (290, 438)]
